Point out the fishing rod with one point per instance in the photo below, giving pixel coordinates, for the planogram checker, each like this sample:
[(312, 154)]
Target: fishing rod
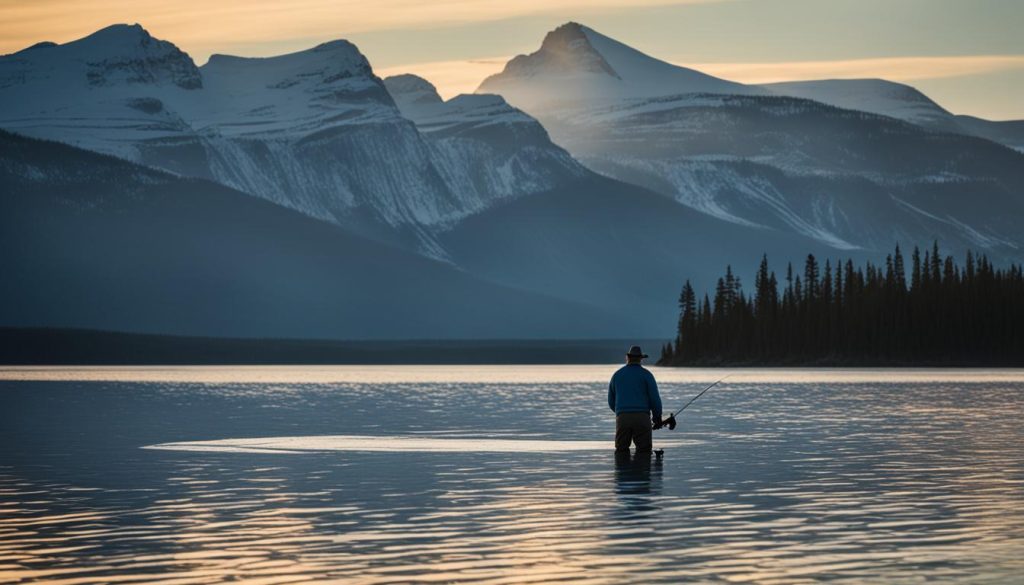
[(670, 422)]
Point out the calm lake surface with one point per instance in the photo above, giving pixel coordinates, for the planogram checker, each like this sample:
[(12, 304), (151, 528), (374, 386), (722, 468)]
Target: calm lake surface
[(505, 474)]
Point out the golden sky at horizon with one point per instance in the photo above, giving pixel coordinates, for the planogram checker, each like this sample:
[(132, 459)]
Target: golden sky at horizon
[(200, 24), (969, 60)]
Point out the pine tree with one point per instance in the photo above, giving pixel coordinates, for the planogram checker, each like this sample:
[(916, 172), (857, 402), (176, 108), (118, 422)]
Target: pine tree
[(687, 320), (901, 276), (915, 278), (811, 274)]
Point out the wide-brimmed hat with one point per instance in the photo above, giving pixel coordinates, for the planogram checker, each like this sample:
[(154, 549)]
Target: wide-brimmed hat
[(635, 351)]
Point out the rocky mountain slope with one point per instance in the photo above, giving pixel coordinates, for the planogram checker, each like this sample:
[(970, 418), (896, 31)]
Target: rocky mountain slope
[(486, 150), (96, 242)]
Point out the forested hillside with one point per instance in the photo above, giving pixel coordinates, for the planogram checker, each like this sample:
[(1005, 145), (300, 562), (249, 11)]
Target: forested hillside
[(941, 313)]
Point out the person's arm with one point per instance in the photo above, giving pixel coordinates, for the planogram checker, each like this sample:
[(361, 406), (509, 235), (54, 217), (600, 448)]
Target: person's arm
[(611, 394), (653, 397)]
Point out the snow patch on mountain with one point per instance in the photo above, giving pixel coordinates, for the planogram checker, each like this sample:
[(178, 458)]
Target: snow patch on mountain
[(712, 186), (483, 176), (295, 94), (969, 233), (464, 112), (877, 96)]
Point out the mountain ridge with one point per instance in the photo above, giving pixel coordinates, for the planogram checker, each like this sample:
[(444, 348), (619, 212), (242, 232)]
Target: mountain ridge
[(821, 169), (871, 95)]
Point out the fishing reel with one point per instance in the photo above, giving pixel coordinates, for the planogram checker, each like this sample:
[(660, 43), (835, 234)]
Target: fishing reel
[(669, 422)]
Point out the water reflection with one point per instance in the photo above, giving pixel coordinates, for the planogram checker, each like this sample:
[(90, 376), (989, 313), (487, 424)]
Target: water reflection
[(638, 479)]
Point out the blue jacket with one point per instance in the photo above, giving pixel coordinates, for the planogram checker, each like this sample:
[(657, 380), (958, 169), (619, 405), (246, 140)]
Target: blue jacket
[(633, 389)]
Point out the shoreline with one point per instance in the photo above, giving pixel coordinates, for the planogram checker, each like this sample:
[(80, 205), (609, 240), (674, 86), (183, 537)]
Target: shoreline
[(40, 346)]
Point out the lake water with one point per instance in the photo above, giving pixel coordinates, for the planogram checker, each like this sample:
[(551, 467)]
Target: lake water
[(506, 474)]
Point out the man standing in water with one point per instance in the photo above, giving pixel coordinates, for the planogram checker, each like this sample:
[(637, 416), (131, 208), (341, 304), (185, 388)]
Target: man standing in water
[(633, 395)]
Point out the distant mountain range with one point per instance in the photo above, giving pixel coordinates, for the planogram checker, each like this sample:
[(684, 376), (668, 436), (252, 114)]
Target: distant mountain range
[(854, 164), (303, 196)]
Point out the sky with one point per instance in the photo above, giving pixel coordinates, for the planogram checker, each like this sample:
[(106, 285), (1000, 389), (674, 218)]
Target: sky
[(968, 55)]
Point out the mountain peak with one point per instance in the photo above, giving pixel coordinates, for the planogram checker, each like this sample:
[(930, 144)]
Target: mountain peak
[(119, 54), (121, 30), (117, 39), (576, 64), (325, 63), (565, 50), (408, 89), (336, 46), (567, 36)]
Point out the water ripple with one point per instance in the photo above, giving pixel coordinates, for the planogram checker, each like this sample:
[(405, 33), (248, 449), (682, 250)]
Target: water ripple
[(778, 483)]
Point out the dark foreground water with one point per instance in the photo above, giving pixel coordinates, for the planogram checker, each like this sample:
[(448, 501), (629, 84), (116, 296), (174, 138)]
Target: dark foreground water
[(505, 475)]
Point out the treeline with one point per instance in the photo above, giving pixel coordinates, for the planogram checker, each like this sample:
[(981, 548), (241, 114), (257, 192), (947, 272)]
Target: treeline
[(937, 312)]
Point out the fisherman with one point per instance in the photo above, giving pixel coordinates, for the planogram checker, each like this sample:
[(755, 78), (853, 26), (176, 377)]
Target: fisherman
[(633, 395)]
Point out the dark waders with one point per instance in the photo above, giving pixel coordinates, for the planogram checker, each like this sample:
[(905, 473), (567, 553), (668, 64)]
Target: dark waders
[(633, 427)]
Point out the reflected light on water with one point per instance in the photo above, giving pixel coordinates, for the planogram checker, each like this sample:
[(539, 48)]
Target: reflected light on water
[(390, 444), (486, 374)]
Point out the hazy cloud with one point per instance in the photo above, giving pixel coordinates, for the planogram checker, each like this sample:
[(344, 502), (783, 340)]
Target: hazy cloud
[(202, 26)]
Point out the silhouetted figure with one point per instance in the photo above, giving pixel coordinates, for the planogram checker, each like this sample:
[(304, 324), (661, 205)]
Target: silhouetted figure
[(633, 395)]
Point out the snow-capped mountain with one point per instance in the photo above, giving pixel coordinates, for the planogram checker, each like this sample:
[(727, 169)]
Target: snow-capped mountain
[(100, 92), (486, 150), (313, 130), (847, 178), (577, 66), (317, 131)]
